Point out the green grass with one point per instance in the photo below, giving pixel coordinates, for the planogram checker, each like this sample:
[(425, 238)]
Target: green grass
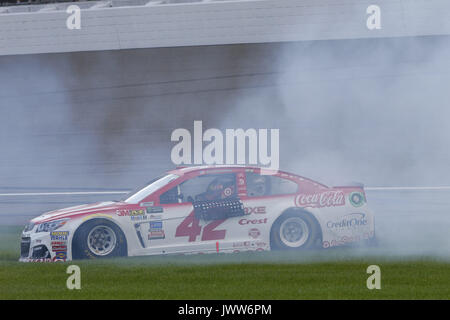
[(272, 275), (10, 242)]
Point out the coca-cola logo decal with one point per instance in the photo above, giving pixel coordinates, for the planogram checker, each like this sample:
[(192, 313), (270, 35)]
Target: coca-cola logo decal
[(321, 199)]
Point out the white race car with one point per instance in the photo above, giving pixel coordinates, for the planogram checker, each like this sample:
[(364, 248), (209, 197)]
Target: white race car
[(205, 209)]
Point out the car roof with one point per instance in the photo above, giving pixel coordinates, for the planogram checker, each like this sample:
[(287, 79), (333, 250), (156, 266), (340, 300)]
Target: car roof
[(181, 170)]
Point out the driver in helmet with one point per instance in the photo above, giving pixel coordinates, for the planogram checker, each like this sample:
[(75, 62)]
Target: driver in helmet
[(257, 186)]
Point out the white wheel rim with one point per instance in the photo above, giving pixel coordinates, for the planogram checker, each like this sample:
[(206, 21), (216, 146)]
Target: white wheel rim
[(294, 232), (101, 240)]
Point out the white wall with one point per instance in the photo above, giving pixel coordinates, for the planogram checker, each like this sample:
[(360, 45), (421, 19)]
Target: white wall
[(224, 22)]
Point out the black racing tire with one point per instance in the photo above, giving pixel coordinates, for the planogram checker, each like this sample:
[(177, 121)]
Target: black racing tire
[(112, 240), (309, 238)]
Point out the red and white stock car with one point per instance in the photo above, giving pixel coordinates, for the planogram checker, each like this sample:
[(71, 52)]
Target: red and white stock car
[(205, 209)]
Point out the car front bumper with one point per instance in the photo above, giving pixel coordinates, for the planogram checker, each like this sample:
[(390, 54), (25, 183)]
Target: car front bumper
[(43, 247)]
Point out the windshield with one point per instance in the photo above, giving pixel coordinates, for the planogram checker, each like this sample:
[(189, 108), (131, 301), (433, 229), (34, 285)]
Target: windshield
[(152, 186)]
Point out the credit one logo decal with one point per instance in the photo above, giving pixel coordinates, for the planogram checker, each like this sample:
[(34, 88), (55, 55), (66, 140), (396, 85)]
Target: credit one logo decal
[(318, 200), (351, 220)]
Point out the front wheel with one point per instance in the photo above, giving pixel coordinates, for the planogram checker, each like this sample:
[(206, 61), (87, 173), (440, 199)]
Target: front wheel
[(98, 239), (294, 231)]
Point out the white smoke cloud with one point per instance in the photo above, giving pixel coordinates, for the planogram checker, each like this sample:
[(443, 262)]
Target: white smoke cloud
[(373, 111)]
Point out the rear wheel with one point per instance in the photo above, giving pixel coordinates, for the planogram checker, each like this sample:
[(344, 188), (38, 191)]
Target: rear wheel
[(98, 239), (295, 231)]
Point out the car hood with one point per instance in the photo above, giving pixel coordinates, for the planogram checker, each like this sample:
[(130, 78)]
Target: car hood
[(82, 210)]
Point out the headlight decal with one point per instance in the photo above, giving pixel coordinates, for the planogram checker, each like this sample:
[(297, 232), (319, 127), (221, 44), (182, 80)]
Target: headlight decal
[(28, 227), (51, 225)]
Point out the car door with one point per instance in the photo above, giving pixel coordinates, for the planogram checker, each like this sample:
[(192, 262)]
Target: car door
[(197, 214)]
